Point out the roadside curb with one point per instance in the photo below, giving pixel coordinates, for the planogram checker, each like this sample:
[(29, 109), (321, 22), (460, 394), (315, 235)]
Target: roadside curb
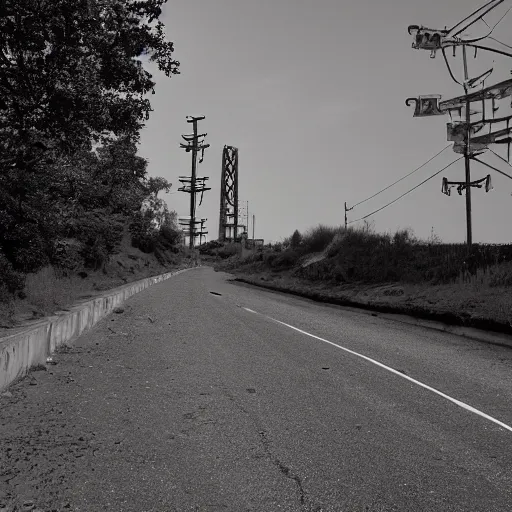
[(499, 334), (30, 347)]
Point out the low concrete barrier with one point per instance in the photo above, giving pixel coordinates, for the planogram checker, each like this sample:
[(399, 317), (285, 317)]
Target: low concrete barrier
[(20, 351)]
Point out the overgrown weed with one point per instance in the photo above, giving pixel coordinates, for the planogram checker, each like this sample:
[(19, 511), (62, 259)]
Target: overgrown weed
[(48, 289)]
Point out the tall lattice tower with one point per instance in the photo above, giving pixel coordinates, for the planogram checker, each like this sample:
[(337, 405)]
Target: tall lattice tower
[(228, 219)]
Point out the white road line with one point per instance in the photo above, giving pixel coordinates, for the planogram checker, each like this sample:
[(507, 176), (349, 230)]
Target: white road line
[(396, 372)]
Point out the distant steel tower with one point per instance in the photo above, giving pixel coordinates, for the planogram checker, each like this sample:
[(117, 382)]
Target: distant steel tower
[(228, 219)]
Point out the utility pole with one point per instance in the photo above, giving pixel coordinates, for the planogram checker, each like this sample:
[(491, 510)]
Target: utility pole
[(253, 222), (194, 185), (462, 131), (467, 153), (347, 210)]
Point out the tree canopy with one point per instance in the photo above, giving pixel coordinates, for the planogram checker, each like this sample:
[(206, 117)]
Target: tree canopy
[(73, 99)]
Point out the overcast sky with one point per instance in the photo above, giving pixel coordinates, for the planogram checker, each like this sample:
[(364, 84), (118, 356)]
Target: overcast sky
[(312, 93)]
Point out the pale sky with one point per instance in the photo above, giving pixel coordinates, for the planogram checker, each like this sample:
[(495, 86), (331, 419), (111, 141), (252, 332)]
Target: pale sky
[(313, 92)]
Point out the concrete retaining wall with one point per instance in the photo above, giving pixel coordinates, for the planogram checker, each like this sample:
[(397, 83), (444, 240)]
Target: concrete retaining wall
[(20, 351)]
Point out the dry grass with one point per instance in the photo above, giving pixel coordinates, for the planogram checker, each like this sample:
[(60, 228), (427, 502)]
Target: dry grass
[(47, 290), (494, 276), (472, 299)]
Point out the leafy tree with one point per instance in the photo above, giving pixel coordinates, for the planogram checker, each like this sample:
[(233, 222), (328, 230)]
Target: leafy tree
[(73, 98), (71, 75)]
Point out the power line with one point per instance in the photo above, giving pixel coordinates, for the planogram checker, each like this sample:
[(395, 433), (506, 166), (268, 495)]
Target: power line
[(493, 28), (500, 157), (501, 19), (494, 168), (408, 192), (401, 179), (501, 42), (496, 24), (491, 167)]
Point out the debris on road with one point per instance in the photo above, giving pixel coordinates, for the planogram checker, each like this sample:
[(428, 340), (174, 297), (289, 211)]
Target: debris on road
[(115, 332)]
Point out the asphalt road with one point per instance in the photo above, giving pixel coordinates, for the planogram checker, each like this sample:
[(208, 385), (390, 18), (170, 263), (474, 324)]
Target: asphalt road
[(193, 401)]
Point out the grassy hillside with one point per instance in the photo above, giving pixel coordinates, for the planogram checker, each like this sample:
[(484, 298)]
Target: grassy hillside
[(53, 288)]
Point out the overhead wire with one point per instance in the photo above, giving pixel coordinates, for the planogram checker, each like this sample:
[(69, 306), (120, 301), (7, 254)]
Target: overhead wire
[(501, 19), (501, 158), (501, 42), (482, 19), (408, 192), (494, 27), (491, 30), (492, 167), (436, 155), (401, 179)]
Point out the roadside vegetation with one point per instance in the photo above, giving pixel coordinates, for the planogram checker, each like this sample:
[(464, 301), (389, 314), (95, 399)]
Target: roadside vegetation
[(77, 206), (389, 271)]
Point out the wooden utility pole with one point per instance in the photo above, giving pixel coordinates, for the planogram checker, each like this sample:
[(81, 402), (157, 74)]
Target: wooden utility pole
[(467, 154), (346, 211), (193, 185), (461, 133)]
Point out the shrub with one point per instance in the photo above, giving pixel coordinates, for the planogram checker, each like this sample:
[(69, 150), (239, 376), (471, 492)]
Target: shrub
[(25, 247), (500, 275), (48, 289), (67, 254), (269, 258), (161, 256), (100, 234), (286, 259), (171, 235), (142, 231), (317, 239), (296, 239), (227, 251), (10, 280)]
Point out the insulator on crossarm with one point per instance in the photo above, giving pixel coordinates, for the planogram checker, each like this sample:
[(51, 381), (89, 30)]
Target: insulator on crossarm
[(488, 183)]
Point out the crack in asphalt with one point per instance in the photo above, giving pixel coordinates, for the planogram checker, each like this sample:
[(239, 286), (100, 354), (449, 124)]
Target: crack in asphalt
[(283, 468)]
